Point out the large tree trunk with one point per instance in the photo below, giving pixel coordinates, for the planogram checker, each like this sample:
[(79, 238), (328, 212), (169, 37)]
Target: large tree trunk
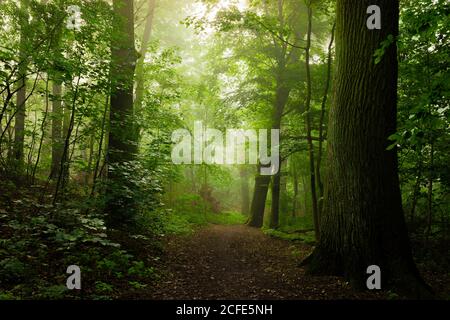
[(363, 221), (259, 201), (122, 145), (275, 207)]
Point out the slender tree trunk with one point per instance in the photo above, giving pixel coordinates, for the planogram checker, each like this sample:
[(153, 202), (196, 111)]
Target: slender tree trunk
[(63, 174), (19, 127), (363, 221), (416, 191), (430, 196), (100, 147), (32, 145), (57, 137), (139, 74), (281, 99), (308, 123), (245, 192), (19, 123), (90, 157), (283, 195), (295, 204), (322, 122), (305, 196), (67, 112), (43, 124)]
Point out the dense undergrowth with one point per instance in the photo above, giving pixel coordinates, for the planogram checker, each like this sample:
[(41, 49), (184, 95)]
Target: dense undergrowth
[(40, 240)]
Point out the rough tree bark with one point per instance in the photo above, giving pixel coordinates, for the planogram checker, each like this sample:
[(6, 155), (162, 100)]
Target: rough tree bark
[(122, 145), (363, 221)]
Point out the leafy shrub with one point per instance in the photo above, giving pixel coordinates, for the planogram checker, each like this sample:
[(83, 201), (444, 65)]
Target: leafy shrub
[(55, 292), (140, 269), (103, 287), (12, 269)]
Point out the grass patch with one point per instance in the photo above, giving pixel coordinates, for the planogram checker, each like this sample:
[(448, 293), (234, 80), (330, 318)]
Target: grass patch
[(228, 218), (293, 224), (185, 223), (306, 237)]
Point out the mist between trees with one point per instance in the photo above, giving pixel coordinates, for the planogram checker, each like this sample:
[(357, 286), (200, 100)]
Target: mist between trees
[(341, 141), (209, 148)]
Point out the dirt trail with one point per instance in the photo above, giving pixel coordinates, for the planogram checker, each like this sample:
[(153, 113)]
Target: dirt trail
[(239, 262)]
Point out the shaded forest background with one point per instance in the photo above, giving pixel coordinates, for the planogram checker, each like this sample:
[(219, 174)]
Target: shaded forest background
[(87, 115)]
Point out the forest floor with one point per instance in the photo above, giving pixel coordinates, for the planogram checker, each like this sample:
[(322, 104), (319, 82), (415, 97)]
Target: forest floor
[(239, 262)]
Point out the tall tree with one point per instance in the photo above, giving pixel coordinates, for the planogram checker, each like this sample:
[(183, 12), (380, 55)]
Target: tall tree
[(57, 107), (57, 143), (308, 123), (285, 56), (259, 200), (363, 221), (322, 124), (19, 126), (122, 144)]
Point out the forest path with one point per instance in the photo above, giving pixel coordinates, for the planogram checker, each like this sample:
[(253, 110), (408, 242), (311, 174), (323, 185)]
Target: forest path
[(239, 262)]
